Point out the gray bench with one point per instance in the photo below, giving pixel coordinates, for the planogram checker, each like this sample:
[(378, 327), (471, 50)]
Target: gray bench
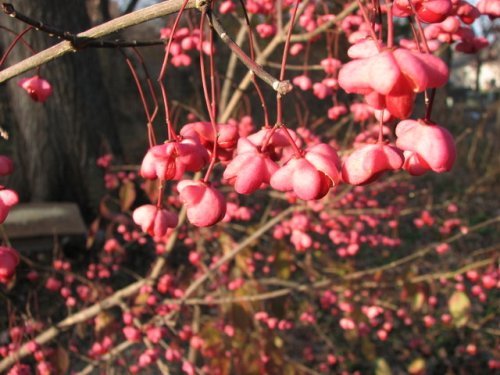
[(36, 226)]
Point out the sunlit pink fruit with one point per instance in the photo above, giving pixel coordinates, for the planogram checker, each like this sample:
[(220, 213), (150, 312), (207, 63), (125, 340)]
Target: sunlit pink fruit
[(205, 205), (37, 88), (311, 176), (367, 163), (154, 220), (432, 146), (9, 259)]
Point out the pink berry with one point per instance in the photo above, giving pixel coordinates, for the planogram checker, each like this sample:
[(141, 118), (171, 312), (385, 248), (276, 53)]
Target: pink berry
[(37, 88), (206, 206), (9, 259), (367, 163)]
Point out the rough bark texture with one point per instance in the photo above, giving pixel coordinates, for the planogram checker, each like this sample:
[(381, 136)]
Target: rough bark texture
[(55, 144)]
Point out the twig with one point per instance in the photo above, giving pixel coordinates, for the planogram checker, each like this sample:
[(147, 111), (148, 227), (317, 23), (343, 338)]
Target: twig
[(229, 256), (252, 47), (231, 300), (195, 327), (231, 70), (303, 368), (276, 65), (451, 274), (13, 44), (420, 253), (107, 357), (77, 41), (282, 87)]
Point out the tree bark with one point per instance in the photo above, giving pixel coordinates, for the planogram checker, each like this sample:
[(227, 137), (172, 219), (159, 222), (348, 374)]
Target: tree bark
[(55, 144)]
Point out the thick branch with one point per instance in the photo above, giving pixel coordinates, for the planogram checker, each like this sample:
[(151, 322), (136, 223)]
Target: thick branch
[(78, 42), (140, 16), (241, 246)]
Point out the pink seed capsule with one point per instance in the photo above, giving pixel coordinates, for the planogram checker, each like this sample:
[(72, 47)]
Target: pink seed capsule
[(37, 88), (205, 205), (367, 163)]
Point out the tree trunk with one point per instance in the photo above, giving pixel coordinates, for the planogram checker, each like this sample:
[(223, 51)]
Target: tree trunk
[(55, 144)]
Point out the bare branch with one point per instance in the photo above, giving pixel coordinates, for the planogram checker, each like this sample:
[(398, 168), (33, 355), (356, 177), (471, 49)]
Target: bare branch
[(282, 87), (231, 70), (140, 16), (91, 37), (77, 41)]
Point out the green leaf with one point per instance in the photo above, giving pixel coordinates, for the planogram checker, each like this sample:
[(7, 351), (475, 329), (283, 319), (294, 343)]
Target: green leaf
[(282, 264), (417, 366), (459, 305), (367, 347), (382, 367), (127, 195), (417, 301), (60, 360)]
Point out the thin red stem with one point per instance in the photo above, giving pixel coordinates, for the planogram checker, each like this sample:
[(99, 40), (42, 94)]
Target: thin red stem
[(419, 28), (18, 38), (151, 135), (262, 101), (161, 76), (429, 101), (381, 128), (370, 27), (287, 41), (213, 158), (419, 48), (26, 44), (415, 35), (169, 44), (212, 76), (150, 84), (336, 45), (279, 103), (170, 128), (268, 137), (377, 15), (252, 56), (161, 190), (390, 26), (296, 150)]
